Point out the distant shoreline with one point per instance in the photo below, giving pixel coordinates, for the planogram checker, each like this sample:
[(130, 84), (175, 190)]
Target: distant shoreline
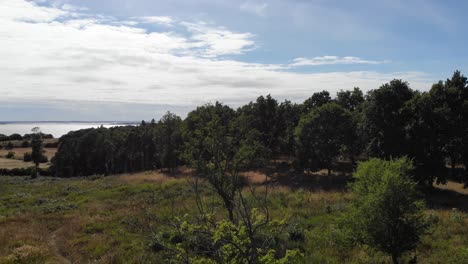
[(68, 122)]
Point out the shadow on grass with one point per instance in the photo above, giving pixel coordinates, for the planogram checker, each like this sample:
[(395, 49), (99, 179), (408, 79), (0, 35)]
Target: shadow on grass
[(283, 174), (447, 199), (312, 181)]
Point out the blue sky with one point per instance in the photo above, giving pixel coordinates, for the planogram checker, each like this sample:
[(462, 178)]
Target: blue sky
[(131, 60)]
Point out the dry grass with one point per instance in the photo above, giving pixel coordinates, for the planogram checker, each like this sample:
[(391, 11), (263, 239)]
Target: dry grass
[(108, 224), (145, 177), (453, 186), (14, 163), (19, 164), (19, 152)]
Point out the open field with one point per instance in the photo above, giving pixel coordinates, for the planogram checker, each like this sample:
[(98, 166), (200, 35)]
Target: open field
[(111, 219), (19, 152), (17, 161)]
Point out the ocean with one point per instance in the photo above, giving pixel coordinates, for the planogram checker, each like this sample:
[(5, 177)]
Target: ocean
[(57, 129)]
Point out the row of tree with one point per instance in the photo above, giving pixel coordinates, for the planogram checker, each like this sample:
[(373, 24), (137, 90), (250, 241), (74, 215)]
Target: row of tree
[(17, 136), (392, 121)]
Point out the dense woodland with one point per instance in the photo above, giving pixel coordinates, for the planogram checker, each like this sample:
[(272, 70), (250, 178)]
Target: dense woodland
[(431, 128)]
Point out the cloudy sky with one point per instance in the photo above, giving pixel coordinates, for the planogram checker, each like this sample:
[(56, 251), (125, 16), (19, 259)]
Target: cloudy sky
[(136, 59)]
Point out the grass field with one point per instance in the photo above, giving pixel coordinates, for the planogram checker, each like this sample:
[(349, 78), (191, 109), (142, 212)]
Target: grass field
[(111, 219), (17, 161)]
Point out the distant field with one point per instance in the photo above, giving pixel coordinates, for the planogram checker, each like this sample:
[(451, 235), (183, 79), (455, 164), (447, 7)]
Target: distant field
[(17, 161), (19, 152), (17, 143), (111, 219), (14, 163)]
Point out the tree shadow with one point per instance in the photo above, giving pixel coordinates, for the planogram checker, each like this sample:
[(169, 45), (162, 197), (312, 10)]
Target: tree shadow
[(282, 174), (447, 199), (312, 181)]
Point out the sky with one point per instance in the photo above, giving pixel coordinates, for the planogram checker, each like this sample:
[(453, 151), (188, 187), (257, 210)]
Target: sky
[(89, 60)]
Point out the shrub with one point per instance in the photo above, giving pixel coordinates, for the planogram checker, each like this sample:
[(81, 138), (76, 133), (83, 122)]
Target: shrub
[(27, 157), (43, 159), (9, 146), (51, 145), (387, 213), (24, 172), (10, 155), (25, 144)]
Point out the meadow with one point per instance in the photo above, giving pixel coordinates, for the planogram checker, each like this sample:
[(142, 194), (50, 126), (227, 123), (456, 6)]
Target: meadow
[(113, 219)]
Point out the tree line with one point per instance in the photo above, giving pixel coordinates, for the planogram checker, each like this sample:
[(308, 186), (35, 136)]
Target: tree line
[(392, 121)]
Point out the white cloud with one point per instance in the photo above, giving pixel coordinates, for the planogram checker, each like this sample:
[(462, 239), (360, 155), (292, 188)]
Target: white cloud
[(332, 60), (165, 20), (256, 8), (98, 59), (218, 41)]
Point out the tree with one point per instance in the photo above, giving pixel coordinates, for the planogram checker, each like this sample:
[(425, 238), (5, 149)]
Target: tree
[(321, 135), (316, 100), (217, 152), (169, 140), (384, 122), (37, 148), (350, 100), (263, 116), (288, 115), (451, 101), (387, 213), (425, 140)]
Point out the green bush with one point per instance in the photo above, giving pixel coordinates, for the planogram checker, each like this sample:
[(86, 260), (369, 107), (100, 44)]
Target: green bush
[(27, 157), (10, 155), (387, 213), (25, 144)]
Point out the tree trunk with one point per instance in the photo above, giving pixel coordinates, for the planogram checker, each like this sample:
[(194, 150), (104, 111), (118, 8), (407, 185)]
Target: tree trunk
[(329, 171), (394, 259)]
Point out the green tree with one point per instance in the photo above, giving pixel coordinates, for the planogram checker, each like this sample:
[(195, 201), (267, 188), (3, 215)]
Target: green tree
[(451, 102), (288, 116), (37, 153), (316, 100), (425, 139), (263, 116), (169, 141), (387, 213), (322, 135), (218, 152), (384, 122), (350, 100)]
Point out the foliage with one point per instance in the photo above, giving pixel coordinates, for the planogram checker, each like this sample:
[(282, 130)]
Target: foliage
[(27, 157), (384, 121), (120, 149), (10, 155), (316, 100), (321, 135), (218, 151), (350, 100), (387, 213)]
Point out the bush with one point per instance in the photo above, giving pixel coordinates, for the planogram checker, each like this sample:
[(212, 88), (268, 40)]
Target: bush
[(43, 159), (9, 146), (25, 144), (15, 137), (387, 214), (10, 155), (51, 145), (27, 157), (24, 172)]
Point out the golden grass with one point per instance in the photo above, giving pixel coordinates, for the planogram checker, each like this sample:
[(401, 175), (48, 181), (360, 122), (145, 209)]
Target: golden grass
[(19, 164), (66, 237), (453, 186), (14, 163), (19, 152), (145, 177)]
